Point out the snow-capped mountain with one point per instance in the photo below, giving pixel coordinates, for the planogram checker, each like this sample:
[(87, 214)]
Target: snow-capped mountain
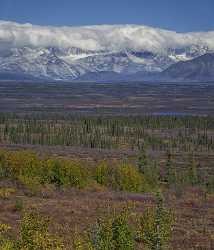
[(198, 69), (71, 53)]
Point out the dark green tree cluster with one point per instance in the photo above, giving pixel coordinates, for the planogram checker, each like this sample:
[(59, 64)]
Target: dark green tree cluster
[(182, 133)]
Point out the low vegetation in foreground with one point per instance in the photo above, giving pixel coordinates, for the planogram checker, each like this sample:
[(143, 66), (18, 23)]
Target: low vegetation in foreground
[(138, 215)]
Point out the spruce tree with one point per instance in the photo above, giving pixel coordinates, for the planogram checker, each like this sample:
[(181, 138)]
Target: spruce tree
[(142, 160), (170, 171), (192, 170)]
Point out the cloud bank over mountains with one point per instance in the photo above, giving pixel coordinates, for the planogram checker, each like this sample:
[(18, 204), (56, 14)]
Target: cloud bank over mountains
[(100, 53), (100, 38)]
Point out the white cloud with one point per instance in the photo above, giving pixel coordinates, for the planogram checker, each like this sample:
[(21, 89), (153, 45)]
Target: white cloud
[(102, 37)]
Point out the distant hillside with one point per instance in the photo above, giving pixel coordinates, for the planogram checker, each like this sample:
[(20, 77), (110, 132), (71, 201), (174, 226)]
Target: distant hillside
[(16, 76), (200, 68)]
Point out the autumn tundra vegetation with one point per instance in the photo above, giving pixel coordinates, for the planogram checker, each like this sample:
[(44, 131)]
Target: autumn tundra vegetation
[(158, 196)]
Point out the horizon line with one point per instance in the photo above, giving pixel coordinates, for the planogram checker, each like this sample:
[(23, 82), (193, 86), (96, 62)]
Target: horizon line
[(100, 25)]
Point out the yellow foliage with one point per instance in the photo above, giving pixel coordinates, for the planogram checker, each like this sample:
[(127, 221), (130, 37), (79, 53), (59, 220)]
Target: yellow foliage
[(4, 228), (5, 243), (130, 179), (5, 193)]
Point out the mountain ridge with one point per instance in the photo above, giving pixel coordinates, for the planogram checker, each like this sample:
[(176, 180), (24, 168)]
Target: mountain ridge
[(96, 52), (200, 69)]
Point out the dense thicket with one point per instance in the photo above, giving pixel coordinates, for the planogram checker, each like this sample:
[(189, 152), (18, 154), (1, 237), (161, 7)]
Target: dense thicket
[(27, 169)]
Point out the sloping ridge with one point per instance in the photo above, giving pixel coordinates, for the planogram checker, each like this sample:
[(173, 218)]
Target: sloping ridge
[(200, 68)]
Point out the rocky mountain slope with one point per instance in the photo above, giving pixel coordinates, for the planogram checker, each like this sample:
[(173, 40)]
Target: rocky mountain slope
[(97, 52), (198, 69)]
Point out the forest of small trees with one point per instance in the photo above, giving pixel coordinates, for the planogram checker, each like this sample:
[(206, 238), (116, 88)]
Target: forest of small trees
[(156, 132)]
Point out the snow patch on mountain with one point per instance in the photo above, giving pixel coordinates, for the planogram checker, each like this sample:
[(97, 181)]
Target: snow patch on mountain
[(67, 53)]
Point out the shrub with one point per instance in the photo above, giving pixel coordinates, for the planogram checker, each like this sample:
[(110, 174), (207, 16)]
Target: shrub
[(54, 172), (129, 179), (152, 176), (112, 234), (75, 175), (19, 205), (192, 171), (170, 171), (156, 226), (34, 234), (4, 170), (5, 193), (66, 173), (142, 160), (5, 242), (101, 173), (78, 242), (123, 237), (22, 163), (210, 183), (101, 236)]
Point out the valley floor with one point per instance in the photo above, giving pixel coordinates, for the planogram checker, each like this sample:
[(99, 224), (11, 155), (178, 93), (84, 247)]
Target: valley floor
[(109, 99)]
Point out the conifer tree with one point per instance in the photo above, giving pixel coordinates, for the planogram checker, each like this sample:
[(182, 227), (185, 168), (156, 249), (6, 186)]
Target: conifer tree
[(156, 226), (192, 170), (170, 170), (142, 160)]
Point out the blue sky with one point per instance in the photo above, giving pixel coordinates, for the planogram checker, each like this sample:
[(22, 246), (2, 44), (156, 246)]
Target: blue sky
[(179, 15)]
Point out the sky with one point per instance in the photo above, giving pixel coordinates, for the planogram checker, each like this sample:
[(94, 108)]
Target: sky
[(177, 15)]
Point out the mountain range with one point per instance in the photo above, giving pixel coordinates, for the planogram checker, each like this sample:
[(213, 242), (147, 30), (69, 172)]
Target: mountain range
[(104, 53)]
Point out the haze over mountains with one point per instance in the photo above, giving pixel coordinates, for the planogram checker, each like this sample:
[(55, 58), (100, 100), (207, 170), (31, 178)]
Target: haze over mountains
[(104, 53)]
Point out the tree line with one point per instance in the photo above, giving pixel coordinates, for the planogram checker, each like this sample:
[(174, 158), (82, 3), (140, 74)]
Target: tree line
[(156, 132)]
